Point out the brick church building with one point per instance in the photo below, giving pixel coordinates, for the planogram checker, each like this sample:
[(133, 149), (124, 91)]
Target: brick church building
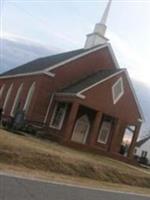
[(81, 98)]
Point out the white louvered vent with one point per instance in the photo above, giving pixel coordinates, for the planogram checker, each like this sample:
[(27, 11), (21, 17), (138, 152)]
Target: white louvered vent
[(117, 90)]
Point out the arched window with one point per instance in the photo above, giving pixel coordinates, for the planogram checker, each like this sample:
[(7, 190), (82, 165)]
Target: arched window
[(7, 96), (105, 129), (29, 97), (1, 91), (16, 101), (81, 129), (58, 116)]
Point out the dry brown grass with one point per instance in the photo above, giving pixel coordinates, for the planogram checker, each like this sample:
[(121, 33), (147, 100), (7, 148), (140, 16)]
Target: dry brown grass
[(66, 179), (34, 154)]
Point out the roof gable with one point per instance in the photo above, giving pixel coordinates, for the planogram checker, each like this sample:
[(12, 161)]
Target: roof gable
[(90, 81), (80, 88), (46, 64), (43, 63), (141, 119)]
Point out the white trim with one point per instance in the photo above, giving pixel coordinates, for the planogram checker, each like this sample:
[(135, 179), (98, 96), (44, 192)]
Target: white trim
[(62, 119), (2, 90), (99, 82), (16, 99), (7, 96), (48, 109), (135, 97), (86, 133), (108, 133), (28, 74), (140, 120), (29, 97), (119, 81), (86, 53), (49, 74), (113, 55), (18, 75), (131, 87), (65, 94), (71, 94), (80, 96), (66, 61), (76, 57)]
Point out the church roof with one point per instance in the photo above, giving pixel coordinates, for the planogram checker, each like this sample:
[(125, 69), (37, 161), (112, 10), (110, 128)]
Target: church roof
[(90, 80), (142, 141), (43, 63)]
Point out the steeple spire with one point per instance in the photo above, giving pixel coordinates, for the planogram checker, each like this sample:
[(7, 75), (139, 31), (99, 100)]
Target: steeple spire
[(106, 12), (98, 35)]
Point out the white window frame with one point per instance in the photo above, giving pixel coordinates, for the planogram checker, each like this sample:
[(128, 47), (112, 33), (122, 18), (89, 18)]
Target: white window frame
[(29, 97), (2, 90), (144, 154), (119, 81), (106, 139), (62, 119), (8, 96), (16, 100), (128, 134)]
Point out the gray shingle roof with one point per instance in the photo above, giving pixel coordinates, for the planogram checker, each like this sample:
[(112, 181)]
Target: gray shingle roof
[(142, 141), (90, 80), (43, 63)]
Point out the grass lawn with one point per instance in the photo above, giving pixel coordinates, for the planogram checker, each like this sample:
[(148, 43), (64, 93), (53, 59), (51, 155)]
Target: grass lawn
[(48, 160)]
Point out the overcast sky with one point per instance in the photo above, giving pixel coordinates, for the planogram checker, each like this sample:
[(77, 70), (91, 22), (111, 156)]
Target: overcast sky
[(64, 24)]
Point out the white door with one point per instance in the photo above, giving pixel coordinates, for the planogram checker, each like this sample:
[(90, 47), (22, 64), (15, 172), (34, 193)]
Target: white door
[(81, 130)]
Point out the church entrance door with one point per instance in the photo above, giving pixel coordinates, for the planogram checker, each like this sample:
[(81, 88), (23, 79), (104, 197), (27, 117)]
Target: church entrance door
[(81, 130)]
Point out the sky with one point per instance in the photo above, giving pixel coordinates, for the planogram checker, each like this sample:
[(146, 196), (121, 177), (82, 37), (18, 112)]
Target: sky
[(63, 25)]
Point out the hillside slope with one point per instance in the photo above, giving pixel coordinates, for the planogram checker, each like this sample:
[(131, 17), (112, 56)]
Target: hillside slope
[(32, 153)]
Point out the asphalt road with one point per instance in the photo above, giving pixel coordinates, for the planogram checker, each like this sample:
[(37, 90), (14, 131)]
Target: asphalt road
[(13, 188)]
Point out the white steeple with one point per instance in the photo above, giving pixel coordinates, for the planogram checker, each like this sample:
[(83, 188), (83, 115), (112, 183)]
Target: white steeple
[(98, 35), (106, 12)]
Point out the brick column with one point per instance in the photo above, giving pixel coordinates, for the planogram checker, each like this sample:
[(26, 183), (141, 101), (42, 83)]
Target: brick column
[(116, 138), (70, 122), (134, 139), (94, 129)]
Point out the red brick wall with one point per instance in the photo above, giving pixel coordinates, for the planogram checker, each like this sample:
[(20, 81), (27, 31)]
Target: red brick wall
[(65, 75), (16, 83), (88, 64), (125, 109)]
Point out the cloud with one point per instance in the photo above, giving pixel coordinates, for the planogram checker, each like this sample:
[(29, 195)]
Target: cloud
[(24, 40), (143, 94), (130, 58), (17, 50)]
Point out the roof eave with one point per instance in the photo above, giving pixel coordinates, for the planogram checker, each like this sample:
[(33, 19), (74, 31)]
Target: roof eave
[(99, 82), (47, 70), (142, 119), (28, 74), (70, 94), (86, 53)]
